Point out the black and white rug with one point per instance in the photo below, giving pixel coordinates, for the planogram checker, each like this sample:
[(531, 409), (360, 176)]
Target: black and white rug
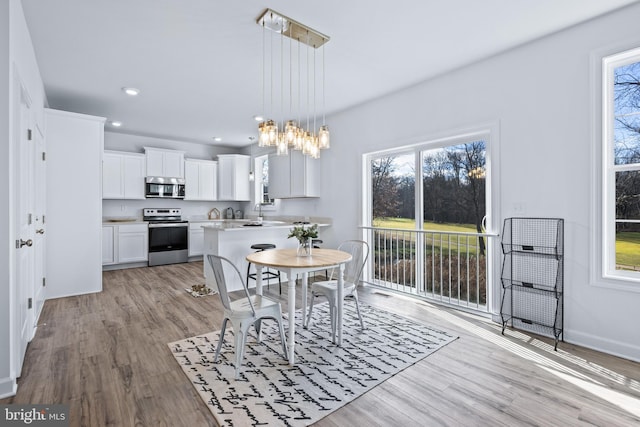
[(324, 377)]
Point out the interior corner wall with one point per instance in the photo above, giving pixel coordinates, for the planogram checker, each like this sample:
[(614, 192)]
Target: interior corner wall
[(17, 61), (540, 94)]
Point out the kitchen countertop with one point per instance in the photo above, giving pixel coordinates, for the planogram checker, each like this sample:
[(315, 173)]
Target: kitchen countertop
[(122, 221), (252, 224), (227, 224)]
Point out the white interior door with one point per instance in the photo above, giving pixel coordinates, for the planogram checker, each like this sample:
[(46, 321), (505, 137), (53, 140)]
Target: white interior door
[(24, 198), (39, 242)]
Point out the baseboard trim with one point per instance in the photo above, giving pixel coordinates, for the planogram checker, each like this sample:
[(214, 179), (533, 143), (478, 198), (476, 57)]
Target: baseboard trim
[(615, 348), (8, 387)]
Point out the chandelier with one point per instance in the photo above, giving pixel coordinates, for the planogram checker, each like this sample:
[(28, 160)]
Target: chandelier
[(290, 63)]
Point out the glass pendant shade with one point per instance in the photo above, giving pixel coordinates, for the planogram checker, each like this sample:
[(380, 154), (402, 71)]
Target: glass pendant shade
[(324, 140), (282, 147), (272, 132), (290, 131), (299, 139), (263, 135), (308, 143)]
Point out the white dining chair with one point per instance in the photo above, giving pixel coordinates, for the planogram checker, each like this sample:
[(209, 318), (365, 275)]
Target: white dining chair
[(359, 251), (243, 312)]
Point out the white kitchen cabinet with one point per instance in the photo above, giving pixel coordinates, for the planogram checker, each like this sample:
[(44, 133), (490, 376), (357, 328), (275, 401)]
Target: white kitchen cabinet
[(201, 178), (233, 177), (196, 238), (164, 163), (293, 176), (123, 175), (133, 243), (108, 245)]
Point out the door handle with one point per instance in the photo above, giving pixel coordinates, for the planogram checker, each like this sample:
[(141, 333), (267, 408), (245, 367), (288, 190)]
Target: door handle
[(40, 231), (28, 243)]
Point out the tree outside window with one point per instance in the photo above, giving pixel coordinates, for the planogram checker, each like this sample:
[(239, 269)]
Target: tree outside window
[(623, 168)]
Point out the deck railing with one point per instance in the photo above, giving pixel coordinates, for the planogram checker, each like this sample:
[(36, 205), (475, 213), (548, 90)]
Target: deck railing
[(447, 267)]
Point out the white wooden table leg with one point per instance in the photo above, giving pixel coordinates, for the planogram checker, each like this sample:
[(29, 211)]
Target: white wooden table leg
[(259, 291), (340, 302), (292, 315), (305, 282), (258, 279)]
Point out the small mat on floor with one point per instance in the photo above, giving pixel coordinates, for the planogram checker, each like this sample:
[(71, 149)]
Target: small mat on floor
[(324, 377)]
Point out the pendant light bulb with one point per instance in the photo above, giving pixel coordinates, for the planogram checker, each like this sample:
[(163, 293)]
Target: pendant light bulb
[(324, 140)]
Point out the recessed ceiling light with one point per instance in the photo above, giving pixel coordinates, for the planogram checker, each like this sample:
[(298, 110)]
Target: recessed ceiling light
[(131, 91), (258, 118), (116, 124), (217, 139)]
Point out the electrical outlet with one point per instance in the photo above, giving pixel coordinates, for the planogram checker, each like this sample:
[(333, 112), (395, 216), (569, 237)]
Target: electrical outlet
[(123, 208), (519, 208)]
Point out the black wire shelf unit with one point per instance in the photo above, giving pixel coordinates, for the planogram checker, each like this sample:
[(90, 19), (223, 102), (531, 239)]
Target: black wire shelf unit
[(533, 276)]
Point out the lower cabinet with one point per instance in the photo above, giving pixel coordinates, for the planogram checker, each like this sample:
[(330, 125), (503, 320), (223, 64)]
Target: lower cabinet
[(125, 243), (196, 238), (108, 245), (133, 243)]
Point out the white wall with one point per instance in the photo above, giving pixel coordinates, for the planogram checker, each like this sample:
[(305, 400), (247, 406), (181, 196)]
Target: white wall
[(540, 94), (17, 61), (6, 382)]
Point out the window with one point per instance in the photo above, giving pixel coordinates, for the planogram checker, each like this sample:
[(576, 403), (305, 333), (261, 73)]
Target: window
[(621, 166), (453, 187), (425, 208), (393, 180), (262, 180)]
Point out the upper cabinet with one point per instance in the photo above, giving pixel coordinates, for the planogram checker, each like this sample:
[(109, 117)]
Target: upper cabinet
[(123, 175), (233, 177), (293, 176), (164, 163), (201, 178)]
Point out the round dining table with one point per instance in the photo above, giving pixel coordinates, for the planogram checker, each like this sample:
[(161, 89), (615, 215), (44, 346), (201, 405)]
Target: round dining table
[(288, 261)]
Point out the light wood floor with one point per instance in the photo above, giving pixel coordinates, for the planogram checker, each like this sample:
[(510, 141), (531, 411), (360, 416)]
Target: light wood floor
[(106, 356)]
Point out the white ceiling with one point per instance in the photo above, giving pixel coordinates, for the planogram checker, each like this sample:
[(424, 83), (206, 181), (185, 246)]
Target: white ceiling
[(198, 62)]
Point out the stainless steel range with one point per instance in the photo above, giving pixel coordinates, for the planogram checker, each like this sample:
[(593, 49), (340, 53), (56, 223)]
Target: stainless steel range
[(168, 236)]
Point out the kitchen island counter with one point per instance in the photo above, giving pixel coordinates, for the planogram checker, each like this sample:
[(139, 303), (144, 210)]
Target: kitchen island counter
[(248, 224), (233, 240)]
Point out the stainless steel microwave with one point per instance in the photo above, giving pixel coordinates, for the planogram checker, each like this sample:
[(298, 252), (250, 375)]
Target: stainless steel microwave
[(158, 187)]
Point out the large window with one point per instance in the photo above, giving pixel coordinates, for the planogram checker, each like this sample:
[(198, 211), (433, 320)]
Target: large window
[(453, 188), (426, 211), (621, 166)]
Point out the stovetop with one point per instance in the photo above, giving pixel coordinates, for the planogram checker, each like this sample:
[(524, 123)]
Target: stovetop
[(161, 215)]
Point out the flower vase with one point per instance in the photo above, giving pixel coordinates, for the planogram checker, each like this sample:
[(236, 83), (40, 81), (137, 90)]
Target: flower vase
[(304, 247)]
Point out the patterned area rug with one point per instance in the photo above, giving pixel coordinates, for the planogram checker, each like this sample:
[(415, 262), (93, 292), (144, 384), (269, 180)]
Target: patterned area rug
[(324, 377)]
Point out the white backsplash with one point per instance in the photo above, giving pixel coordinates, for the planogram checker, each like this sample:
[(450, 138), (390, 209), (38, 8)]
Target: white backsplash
[(133, 208)]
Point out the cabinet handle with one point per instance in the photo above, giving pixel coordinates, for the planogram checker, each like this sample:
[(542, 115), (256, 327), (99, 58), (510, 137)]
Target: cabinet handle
[(40, 231)]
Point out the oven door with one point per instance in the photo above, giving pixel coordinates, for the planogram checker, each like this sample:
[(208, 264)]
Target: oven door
[(168, 243)]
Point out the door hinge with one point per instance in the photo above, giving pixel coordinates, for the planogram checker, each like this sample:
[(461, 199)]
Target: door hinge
[(30, 303), (44, 282), (44, 156), (29, 134)]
